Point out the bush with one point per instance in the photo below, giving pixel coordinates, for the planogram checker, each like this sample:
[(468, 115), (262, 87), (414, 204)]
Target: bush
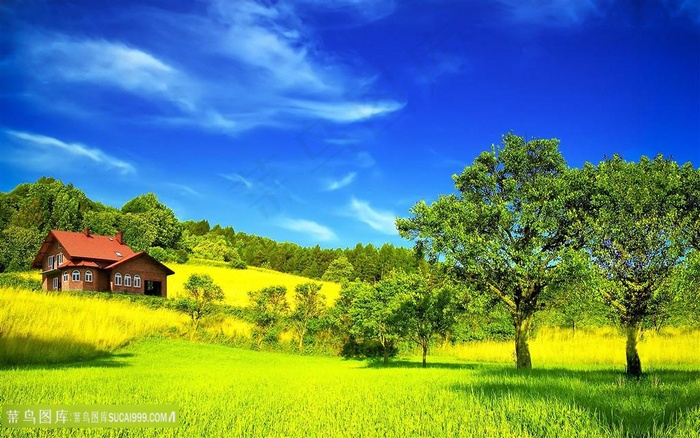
[(237, 264), (12, 280)]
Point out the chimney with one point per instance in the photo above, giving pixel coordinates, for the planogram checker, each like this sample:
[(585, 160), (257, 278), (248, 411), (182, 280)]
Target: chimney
[(86, 232), (120, 238)]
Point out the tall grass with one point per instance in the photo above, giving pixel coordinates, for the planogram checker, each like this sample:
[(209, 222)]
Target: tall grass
[(595, 346), (40, 327)]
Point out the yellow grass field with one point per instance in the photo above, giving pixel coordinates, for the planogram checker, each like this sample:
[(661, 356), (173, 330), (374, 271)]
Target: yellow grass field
[(599, 346), (236, 283), (40, 327)]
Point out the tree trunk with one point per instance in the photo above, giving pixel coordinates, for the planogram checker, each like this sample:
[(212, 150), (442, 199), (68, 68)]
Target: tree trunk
[(522, 349), (425, 353), (634, 365), (301, 339), (386, 355)]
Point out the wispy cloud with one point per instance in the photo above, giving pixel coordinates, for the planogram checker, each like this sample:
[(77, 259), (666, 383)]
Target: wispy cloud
[(46, 149), (184, 189), (343, 182), (234, 177), (553, 13), (688, 8), (270, 70), (312, 229), (382, 221)]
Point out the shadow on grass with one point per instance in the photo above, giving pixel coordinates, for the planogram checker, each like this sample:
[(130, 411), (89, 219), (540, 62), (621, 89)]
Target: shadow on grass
[(635, 407), (35, 353), (379, 364)]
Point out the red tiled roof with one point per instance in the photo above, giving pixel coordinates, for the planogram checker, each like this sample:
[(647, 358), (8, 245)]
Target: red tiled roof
[(82, 246)]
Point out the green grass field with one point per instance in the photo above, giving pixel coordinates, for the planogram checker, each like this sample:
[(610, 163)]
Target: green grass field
[(222, 391), (76, 350)]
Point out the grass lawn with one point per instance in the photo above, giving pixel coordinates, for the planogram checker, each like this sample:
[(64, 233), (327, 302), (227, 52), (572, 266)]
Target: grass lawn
[(221, 391)]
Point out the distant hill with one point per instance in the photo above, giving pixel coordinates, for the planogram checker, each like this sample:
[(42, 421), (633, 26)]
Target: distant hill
[(30, 210)]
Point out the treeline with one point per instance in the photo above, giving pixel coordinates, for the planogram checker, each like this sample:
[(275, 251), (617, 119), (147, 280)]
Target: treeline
[(28, 212), (363, 262)]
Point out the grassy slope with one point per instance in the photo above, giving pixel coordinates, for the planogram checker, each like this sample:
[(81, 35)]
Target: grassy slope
[(236, 283), (221, 391)]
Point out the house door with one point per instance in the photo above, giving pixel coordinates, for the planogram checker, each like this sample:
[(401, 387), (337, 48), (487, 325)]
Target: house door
[(153, 288)]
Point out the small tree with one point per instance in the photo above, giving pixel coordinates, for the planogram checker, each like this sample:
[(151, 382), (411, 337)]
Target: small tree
[(340, 270), (268, 310), (424, 311), (374, 316), (202, 292), (310, 306)]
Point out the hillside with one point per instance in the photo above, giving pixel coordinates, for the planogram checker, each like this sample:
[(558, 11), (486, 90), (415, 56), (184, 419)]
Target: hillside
[(236, 283)]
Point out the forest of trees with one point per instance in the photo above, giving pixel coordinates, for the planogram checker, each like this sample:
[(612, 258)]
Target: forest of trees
[(28, 212)]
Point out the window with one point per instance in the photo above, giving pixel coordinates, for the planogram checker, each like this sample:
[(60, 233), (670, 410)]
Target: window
[(127, 280), (50, 262), (88, 276), (55, 283), (76, 275), (59, 259), (117, 279), (137, 280)]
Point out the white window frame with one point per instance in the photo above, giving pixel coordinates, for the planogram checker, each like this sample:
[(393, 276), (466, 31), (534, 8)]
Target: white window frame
[(50, 262), (88, 276), (55, 283), (75, 275), (117, 279), (65, 276), (127, 280), (137, 280), (59, 259)]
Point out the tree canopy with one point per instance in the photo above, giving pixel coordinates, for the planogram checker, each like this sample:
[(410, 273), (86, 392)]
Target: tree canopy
[(508, 230)]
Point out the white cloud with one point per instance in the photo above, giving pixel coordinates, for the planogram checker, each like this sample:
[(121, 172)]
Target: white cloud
[(231, 67), (46, 149), (58, 57), (344, 182), (313, 229), (382, 221)]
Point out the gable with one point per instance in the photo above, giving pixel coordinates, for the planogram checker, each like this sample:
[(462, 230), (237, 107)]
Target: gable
[(143, 259), (83, 246)]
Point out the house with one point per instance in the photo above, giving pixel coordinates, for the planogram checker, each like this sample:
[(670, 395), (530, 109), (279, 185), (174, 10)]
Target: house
[(84, 261)]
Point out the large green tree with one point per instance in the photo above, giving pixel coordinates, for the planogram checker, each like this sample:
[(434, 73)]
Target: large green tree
[(640, 231), (509, 228)]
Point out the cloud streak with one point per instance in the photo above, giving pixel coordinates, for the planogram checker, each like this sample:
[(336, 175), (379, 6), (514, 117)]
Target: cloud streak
[(312, 229), (553, 13), (344, 182), (382, 221), (50, 147)]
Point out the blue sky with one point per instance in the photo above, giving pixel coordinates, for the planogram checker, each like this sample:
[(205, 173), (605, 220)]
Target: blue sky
[(319, 122)]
